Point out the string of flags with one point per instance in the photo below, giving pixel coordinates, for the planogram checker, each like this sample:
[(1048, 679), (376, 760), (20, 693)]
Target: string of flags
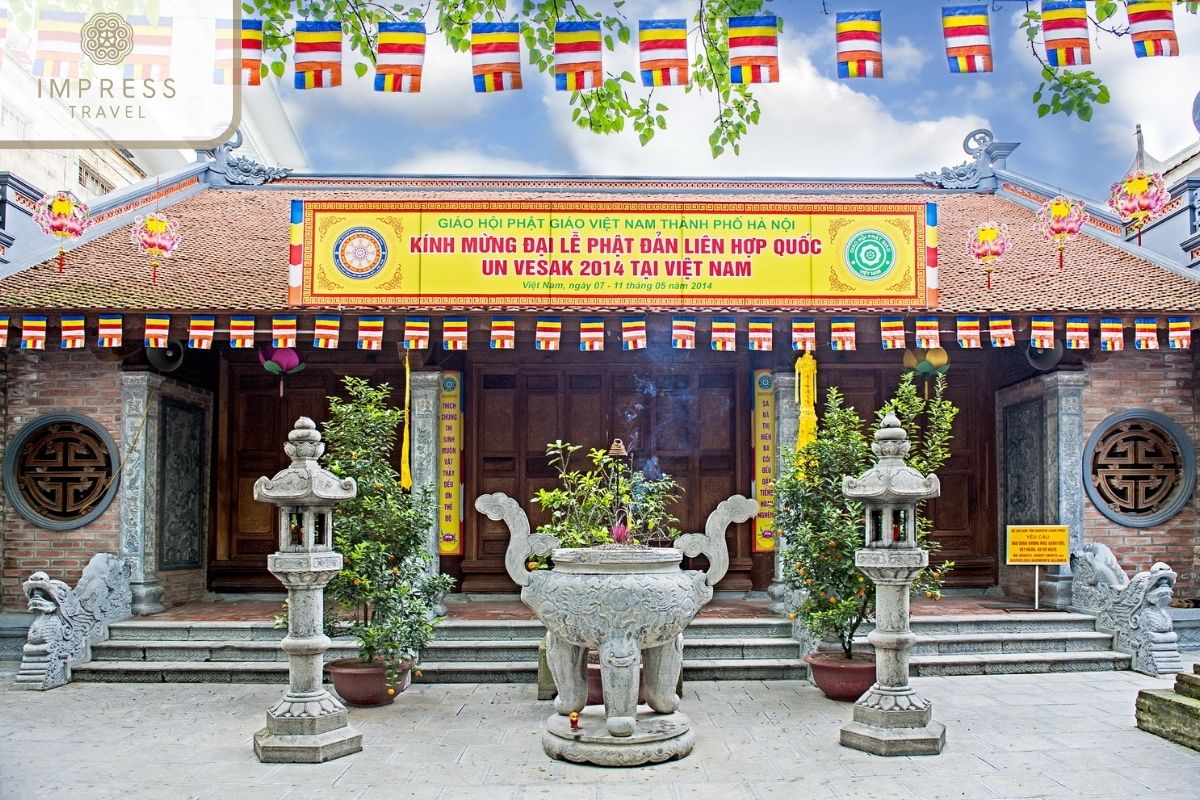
[(548, 331)]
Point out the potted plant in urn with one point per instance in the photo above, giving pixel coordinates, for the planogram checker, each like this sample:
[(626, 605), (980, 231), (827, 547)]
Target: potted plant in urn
[(823, 530), (384, 591)]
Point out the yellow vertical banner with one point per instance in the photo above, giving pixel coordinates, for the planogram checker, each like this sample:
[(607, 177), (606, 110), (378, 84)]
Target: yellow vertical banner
[(450, 541), (763, 438)]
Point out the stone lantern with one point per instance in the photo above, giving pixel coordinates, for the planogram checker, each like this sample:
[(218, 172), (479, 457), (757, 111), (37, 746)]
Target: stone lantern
[(891, 719), (309, 725)]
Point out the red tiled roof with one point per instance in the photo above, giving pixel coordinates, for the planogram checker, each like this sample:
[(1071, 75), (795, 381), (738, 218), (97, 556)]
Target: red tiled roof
[(235, 252)]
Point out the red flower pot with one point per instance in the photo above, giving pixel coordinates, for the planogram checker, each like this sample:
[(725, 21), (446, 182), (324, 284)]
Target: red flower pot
[(364, 683), (841, 678)]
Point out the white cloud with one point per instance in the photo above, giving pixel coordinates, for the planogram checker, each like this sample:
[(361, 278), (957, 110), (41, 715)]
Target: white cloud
[(463, 160), (903, 60)]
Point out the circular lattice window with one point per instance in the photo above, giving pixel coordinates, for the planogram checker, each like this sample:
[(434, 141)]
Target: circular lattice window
[(1139, 468), (61, 471)]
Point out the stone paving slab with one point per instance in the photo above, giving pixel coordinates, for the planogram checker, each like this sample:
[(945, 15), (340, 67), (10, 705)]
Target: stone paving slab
[(1060, 735)]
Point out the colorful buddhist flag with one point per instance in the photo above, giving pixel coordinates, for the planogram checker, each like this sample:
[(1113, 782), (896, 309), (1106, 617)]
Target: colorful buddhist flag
[(591, 333), (804, 335), (318, 56), (58, 44), (968, 333), (968, 38), (1078, 337), (547, 334), (754, 49), (151, 54), (241, 331), (1000, 329), (283, 330), (761, 335), (577, 55), (724, 333), (201, 329), (1065, 33), (504, 333), (1179, 333), (1112, 335), (633, 333), (327, 331), (399, 56), (111, 331), (683, 333), (928, 335), (1152, 29), (859, 44), (247, 70), (4, 320), (454, 333), (842, 335), (157, 331), (370, 333), (496, 56), (891, 333), (74, 333), (662, 45), (1145, 333), (416, 333), (1041, 333), (33, 333)]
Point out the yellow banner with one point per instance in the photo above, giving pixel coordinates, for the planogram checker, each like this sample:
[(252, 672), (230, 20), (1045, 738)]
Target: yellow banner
[(581, 254), (762, 434), (1038, 544), (450, 542)]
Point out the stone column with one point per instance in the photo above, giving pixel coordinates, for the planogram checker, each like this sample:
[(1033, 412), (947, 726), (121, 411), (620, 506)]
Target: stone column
[(1063, 408), (426, 390), (786, 425), (140, 393)]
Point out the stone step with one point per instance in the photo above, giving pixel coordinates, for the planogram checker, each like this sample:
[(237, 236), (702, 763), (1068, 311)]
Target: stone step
[(1169, 715), (1040, 622), (1038, 642), (745, 669), (154, 630), (1188, 685), (1018, 663)]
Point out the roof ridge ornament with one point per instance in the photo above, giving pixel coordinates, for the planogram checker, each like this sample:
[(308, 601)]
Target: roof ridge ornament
[(977, 174), (230, 170)]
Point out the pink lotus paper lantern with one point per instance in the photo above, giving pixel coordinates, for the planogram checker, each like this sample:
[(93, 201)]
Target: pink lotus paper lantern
[(1060, 221), (987, 245), (1137, 197), (156, 236), (280, 361), (63, 216)]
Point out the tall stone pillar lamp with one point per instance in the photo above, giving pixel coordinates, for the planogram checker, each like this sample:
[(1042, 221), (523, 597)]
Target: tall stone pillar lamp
[(309, 725), (891, 719)]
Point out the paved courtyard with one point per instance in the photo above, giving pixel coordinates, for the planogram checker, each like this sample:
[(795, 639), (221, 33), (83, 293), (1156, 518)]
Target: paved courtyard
[(1013, 736)]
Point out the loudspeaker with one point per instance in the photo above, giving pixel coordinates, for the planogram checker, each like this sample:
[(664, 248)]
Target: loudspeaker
[(166, 359), (1045, 360)]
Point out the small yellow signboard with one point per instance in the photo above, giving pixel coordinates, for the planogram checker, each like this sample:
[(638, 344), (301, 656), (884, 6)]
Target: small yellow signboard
[(763, 438), (1036, 545)]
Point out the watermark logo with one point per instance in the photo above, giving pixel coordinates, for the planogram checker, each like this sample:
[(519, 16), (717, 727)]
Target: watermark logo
[(106, 39), (870, 255)]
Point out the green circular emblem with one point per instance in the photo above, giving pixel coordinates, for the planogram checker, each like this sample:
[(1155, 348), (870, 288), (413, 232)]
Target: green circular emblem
[(870, 255)]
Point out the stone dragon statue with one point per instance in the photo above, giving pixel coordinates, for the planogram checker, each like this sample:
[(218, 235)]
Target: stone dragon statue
[(1133, 610), (67, 622)]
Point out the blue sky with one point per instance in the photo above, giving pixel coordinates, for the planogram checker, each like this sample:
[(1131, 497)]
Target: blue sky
[(813, 125)]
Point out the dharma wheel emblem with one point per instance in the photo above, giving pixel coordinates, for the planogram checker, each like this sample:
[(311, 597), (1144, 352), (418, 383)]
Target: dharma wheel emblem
[(360, 253)]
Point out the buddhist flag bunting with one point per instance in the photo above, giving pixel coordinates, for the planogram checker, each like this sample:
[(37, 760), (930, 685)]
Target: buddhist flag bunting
[(968, 38), (370, 333), (283, 330), (416, 333), (804, 335), (761, 335), (248, 71), (928, 335), (454, 333), (577, 55), (724, 333), (111, 331), (33, 333), (399, 56), (318, 58), (891, 333), (241, 331), (1000, 329), (59, 44), (1145, 333), (842, 335), (1112, 335), (74, 334), (591, 333), (3, 331), (151, 54), (1078, 337), (200, 331), (496, 56), (1152, 28), (327, 331), (1179, 333), (504, 333), (1041, 333), (633, 333), (662, 44), (157, 331), (547, 334), (968, 333), (754, 49), (859, 44), (683, 333), (1065, 33)]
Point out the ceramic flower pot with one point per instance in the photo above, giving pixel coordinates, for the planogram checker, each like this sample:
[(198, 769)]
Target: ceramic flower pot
[(365, 683), (841, 678)]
